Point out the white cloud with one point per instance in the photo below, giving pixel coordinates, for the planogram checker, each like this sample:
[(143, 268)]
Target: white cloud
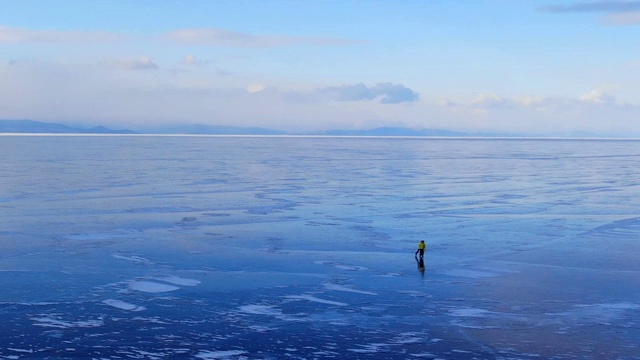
[(254, 88), (231, 38), (387, 93), (22, 35), (489, 101), (191, 60), (143, 63), (598, 97)]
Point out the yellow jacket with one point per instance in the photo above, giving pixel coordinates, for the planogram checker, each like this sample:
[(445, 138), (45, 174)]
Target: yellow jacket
[(422, 246)]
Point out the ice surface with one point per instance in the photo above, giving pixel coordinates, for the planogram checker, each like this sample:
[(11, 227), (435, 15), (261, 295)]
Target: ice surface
[(336, 287), (151, 287), (303, 248), (179, 280)]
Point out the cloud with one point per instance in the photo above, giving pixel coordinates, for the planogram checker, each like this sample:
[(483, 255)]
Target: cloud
[(486, 102), (630, 18), (254, 88), (230, 38), (598, 97), (607, 6), (490, 101), (192, 60), (618, 12), (143, 63), (21, 35), (387, 92)]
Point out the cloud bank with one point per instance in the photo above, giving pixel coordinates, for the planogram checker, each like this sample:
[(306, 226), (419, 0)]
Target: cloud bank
[(387, 93)]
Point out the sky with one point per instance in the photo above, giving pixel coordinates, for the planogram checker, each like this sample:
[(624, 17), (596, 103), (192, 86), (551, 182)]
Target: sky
[(536, 66)]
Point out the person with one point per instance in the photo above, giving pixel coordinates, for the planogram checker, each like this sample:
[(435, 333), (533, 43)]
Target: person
[(421, 248)]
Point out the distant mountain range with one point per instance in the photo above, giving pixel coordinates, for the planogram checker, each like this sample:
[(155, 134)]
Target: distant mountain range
[(39, 127)]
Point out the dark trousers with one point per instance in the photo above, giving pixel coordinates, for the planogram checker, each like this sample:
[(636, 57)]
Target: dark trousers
[(421, 251)]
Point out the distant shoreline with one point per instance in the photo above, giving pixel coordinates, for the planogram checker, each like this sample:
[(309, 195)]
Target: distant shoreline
[(425, 137)]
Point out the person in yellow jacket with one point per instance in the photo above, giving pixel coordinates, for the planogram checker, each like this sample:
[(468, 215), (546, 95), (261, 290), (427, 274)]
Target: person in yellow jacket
[(421, 248)]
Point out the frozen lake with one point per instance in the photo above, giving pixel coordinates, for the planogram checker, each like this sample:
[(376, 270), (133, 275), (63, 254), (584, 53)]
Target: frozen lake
[(302, 248)]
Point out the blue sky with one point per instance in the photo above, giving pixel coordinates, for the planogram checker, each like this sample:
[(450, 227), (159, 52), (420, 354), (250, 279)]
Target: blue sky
[(484, 65)]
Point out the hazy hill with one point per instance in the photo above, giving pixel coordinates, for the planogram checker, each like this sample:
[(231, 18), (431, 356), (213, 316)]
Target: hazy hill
[(200, 129), (39, 127)]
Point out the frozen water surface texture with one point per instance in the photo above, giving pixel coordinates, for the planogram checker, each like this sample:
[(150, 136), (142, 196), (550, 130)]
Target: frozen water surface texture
[(303, 248)]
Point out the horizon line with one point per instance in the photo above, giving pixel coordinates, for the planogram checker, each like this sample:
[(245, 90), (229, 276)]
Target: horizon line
[(322, 136)]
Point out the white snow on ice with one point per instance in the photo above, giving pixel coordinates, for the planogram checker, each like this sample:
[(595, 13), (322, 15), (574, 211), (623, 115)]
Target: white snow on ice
[(267, 310), (59, 324), (179, 280), (123, 305), (469, 312), (315, 299), (132, 258), (598, 312), (337, 287), (151, 287), (226, 354), (342, 266)]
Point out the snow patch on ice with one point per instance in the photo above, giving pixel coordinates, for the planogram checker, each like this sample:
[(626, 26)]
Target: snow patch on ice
[(336, 287), (151, 287), (123, 305), (20, 350), (469, 312), (46, 321), (315, 299), (179, 280), (598, 312), (267, 310), (133, 258), (225, 354)]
